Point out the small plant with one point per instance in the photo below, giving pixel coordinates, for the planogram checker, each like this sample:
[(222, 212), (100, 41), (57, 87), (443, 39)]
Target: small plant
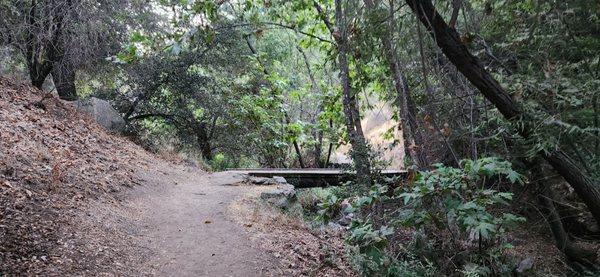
[(311, 201), (370, 244), (330, 208), (370, 240)]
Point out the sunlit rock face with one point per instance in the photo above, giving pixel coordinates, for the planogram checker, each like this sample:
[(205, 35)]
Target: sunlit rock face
[(375, 123)]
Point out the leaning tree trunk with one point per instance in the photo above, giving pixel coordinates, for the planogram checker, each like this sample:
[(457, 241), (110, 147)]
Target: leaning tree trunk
[(449, 42), (573, 252), (579, 256)]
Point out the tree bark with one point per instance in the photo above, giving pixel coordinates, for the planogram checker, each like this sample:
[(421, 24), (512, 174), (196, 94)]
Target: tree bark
[(547, 198), (204, 141), (360, 151), (42, 56), (449, 42), (63, 76), (455, 9)]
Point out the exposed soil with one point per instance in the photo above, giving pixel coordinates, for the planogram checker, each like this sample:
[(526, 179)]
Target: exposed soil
[(189, 223)]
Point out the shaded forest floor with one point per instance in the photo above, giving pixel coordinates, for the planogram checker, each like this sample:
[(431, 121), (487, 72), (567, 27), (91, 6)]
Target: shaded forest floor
[(75, 199)]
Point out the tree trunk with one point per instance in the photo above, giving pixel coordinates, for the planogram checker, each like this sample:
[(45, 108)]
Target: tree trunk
[(299, 154), (360, 151), (37, 78), (206, 150), (63, 76), (449, 42), (547, 198), (204, 141), (295, 142), (413, 140), (42, 56)]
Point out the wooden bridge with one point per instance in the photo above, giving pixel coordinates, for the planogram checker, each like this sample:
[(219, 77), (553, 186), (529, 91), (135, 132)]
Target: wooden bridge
[(315, 177)]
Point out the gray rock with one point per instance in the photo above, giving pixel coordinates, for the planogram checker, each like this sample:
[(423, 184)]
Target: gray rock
[(525, 265), (346, 219), (191, 162), (101, 111), (283, 196), (280, 180), (336, 227), (345, 207), (261, 181), (265, 181)]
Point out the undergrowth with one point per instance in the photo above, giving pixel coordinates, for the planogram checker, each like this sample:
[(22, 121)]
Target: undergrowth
[(445, 221)]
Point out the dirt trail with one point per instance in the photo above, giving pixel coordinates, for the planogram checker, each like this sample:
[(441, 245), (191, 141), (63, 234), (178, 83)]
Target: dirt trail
[(180, 217)]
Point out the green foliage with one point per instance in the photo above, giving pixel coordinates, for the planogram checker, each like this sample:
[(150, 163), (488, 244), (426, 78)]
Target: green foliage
[(220, 162), (461, 202), (549, 55), (329, 208), (369, 240), (318, 203), (370, 244), (209, 90)]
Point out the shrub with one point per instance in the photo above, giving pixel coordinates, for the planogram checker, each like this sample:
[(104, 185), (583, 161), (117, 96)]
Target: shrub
[(457, 216), (462, 204)]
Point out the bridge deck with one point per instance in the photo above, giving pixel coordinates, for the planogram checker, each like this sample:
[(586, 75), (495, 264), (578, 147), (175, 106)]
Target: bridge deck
[(307, 178)]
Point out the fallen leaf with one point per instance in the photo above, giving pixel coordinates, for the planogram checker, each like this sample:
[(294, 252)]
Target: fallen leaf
[(6, 183)]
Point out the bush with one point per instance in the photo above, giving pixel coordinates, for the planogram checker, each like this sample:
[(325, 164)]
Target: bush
[(320, 204), (221, 162), (457, 217), (461, 204)]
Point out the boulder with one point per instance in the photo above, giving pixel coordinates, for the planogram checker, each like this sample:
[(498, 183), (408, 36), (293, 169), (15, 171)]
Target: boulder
[(282, 196), (101, 111), (346, 219), (524, 266), (266, 181), (261, 181), (280, 180)]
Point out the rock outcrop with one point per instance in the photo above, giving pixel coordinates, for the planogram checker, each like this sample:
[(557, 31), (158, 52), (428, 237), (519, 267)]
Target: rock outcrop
[(282, 196), (101, 111)]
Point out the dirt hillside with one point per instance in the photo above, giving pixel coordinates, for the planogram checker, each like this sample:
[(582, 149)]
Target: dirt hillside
[(52, 161)]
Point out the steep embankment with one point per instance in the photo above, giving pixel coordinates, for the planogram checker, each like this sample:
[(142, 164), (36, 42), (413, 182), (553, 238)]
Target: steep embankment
[(52, 161)]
